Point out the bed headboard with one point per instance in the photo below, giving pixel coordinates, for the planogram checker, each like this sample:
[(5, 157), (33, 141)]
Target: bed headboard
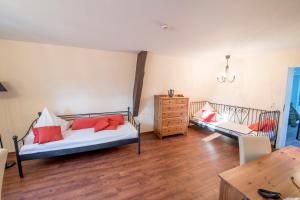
[(268, 121), (236, 114)]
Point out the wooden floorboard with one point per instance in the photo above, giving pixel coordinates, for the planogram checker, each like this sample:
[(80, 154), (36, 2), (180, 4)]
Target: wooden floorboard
[(177, 167)]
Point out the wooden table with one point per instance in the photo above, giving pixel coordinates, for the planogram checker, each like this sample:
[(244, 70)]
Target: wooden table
[(272, 172)]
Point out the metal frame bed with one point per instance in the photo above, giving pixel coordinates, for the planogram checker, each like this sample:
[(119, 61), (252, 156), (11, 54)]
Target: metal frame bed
[(239, 115), (62, 152)]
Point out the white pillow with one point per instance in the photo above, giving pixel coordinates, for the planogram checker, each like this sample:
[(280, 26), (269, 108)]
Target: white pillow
[(221, 117), (206, 107), (29, 138), (206, 113), (47, 118)]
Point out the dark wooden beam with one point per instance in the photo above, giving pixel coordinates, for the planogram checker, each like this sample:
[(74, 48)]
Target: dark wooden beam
[(138, 82)]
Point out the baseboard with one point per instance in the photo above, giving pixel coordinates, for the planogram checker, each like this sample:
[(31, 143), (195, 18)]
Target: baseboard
[(147, 132)]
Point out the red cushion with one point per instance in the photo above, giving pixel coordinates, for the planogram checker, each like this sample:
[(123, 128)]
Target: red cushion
[(113, 125), (268, 125), (36, 135), (117, 118), (48, 134), (253, 127), (265, 126), (101, 125), (211, 117), (102, 118), (82, 123)]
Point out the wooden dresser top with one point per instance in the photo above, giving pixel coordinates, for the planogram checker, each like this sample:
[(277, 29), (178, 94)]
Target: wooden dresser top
[(177, 96)]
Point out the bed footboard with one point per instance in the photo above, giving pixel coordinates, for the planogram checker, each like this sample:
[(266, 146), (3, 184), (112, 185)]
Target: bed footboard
[(19, 161), (268, 125), (137, 125), (17, 144)]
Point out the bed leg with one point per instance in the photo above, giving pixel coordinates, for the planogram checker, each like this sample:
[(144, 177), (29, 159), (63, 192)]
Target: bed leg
[(19, 162), (139, 147), (139, 140), (189, 123)]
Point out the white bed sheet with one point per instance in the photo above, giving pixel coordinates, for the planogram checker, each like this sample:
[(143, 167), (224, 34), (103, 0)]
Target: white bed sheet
[(80, 138), (227, 127)]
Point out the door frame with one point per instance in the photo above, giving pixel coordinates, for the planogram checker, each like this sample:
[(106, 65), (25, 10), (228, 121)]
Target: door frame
[(286, 108), (297, 106)]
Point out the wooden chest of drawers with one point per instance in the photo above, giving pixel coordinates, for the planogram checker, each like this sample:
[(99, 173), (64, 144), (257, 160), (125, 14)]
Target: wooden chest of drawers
[(170, 115)]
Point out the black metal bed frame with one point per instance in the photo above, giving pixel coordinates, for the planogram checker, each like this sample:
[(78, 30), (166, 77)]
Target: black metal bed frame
[(62, 152), (240, 115)]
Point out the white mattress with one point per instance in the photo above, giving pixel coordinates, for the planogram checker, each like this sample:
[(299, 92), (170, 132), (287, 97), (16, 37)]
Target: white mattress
[(80, 138), (227, 127)]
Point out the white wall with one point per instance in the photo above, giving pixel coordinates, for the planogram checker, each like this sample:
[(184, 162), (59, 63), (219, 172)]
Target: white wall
[(261, 79), (75, 80), (162, 73), (66, 79)]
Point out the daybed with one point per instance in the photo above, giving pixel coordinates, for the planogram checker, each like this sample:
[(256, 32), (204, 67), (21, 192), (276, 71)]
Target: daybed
[(235, 121), (76, 141)]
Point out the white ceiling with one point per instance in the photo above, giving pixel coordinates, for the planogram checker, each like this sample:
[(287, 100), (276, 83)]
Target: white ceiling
[(197, 26)]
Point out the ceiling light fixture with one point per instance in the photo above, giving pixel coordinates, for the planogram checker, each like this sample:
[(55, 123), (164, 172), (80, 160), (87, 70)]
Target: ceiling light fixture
[(226, 76)]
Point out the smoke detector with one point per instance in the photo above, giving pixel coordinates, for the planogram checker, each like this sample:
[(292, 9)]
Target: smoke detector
[(164, 27)]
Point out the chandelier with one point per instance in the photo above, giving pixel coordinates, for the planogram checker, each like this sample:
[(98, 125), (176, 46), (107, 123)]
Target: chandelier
[(226, 77)]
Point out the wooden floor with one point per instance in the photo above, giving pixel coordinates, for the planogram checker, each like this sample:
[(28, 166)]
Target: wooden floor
[(178, 167)]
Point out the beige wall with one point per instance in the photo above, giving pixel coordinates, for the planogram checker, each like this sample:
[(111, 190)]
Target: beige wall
[(75, 80), (183, 75), (66, 79), (261, 79)]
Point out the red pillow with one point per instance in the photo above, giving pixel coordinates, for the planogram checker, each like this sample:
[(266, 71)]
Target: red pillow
[(36, 135), (265, 126), (268, 125), (101, 125), (82, 123), (117, 118), (101, 118), (253, 127), (113, 125), (211, 117), (47, 134)]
